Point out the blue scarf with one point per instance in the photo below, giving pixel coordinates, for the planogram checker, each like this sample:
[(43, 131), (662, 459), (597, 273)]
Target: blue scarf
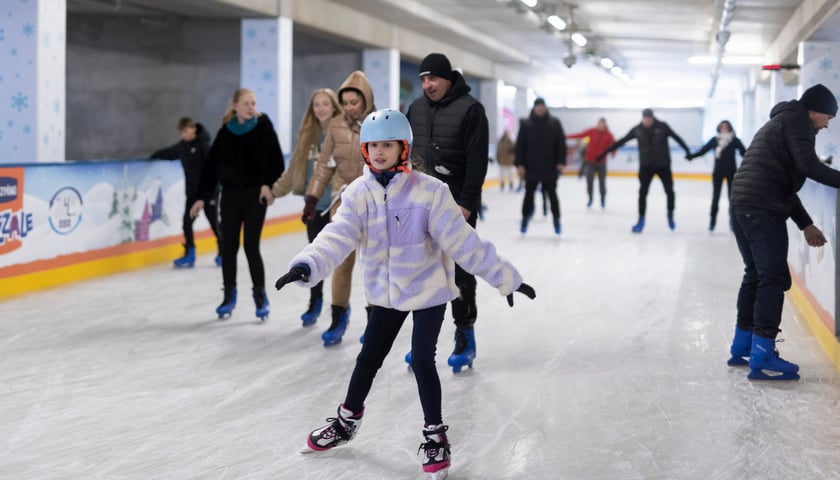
[(384, 177), (237, 128)]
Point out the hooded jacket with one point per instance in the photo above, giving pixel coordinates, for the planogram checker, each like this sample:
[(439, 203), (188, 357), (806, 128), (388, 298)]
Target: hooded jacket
[(301, 168), (252, 159), (654, 151), (779, 159), (193, 156), (341, 160), (540, 147), (408, 245), (451, 141)]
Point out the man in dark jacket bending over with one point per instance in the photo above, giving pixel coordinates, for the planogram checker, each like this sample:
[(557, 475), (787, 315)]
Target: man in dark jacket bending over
[(764, 195)]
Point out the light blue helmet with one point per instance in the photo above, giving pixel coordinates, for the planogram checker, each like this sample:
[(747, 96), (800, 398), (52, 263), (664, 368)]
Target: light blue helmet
[(386, 124)]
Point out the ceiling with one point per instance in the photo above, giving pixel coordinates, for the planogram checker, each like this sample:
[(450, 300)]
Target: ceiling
[(650, 40)]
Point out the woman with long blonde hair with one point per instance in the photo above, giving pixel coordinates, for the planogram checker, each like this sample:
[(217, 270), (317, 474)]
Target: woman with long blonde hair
[(323, 108), (245, 159)]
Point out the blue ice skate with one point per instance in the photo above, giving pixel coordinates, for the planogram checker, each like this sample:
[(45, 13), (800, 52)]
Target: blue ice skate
[(740, 349), (310, 316), (228, 304), (765, 363), (557, 228), (464, 352), (340, 319), (638, 227), (188, 260), (671, 223), (218, 260), (261, 303)]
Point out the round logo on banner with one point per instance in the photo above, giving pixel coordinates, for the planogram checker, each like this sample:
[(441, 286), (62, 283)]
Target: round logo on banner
[(65, 210)]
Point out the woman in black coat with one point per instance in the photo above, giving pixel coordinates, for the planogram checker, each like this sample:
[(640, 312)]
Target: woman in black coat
[(246, 159), (725, 144)]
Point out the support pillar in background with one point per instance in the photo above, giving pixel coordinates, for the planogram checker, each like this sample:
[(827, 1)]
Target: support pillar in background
[(382, 69), (267, 70), (32, 80)]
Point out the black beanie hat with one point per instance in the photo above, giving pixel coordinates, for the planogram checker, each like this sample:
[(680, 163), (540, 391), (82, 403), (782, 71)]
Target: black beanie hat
[(539, 101), (647, 113), (436, 64), (820, 99)]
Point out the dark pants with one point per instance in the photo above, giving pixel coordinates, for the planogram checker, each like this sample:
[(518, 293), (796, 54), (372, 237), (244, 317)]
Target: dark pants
[(717, 184), (241, 210), (645, 177), (591, 169), (464, 309), (211, 213), (549, 188), (382, 328), (313, 228), (763, 242)]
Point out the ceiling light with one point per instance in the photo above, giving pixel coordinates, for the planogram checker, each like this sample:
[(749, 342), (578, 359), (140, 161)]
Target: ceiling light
[(607, 63), (579, 39), (556, 22), (616, 70), (529, 3), (727, 60)]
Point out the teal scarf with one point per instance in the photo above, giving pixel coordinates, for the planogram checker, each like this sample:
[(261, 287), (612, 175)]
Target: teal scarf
[(237, 128)]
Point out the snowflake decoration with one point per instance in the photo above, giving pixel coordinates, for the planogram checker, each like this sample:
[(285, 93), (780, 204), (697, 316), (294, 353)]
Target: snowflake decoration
[(1, 134), (251, 33), (20, 102), (28, 29), (56, 106), (267, 76), (2, 34), (10, 123), (46, 139), (27, 129), (825, 64), (13, 52)]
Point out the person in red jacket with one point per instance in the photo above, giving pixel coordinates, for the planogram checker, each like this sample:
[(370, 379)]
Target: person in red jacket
[(600, 138)]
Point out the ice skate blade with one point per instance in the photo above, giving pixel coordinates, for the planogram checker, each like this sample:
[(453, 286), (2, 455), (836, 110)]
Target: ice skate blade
[(224, 315), (442, 474), (457, 368), (737, 362), (760, 375), (332, 343)]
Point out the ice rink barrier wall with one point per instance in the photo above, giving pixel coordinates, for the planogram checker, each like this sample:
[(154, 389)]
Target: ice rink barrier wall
[(64, 222)]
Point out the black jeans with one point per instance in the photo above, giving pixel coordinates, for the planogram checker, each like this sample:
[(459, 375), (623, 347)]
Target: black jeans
[(382, 328), (211, 213), (464, 309), (313, 228), (645, 177), (591, 169), (549, 188), (763, 242), (717, 184), (241, 210)]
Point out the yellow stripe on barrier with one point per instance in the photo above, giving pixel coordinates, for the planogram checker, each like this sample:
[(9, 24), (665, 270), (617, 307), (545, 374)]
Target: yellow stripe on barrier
[(824, 336)]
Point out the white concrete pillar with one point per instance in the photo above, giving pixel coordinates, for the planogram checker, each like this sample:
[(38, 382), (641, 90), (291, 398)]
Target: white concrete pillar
[(491, 98), (820, 63), (267, 70), (382, 69), (780, 88), (32, 81)]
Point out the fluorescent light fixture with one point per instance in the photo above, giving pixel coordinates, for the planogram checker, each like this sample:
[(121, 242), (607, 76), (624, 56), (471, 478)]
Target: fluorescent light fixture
[(579, 39), (607, 63), (556, 22), (616, 70), (727, 60), (529, 3)]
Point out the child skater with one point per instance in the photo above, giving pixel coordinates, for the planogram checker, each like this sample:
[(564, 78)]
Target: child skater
[(410, 233)]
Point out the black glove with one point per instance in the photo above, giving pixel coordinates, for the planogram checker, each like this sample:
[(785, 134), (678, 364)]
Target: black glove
[(689, 157), (309, 209), (298, 272), (600, 157), (524, 289)]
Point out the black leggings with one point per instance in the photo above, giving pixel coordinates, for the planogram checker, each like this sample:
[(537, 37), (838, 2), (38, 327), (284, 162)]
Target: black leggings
[(313, 228), (645, 177), (238, 207), (382, 328), (717, 184), (212, 217)]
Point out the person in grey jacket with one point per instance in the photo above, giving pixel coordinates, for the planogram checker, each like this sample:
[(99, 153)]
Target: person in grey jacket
[(764, 195), (654, 159)]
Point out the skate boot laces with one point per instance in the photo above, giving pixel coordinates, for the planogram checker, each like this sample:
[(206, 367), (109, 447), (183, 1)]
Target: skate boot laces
[(436, 449)]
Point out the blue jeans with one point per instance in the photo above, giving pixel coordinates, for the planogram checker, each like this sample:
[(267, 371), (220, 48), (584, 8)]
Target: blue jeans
[(763, 242)]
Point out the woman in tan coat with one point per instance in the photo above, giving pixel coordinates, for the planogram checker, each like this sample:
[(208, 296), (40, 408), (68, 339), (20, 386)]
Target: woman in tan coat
[(505, 155), (340, 163), (323, 108)]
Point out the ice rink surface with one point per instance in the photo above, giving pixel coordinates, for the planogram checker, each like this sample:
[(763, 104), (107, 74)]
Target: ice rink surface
[(616, 371)]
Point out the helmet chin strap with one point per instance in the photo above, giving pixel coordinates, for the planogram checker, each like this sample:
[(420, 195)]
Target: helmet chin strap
[(401, 166)]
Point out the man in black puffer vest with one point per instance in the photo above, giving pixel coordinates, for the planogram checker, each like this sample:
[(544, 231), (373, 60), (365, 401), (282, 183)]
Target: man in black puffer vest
[(764, 195), (654, 159), (451, 139)]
